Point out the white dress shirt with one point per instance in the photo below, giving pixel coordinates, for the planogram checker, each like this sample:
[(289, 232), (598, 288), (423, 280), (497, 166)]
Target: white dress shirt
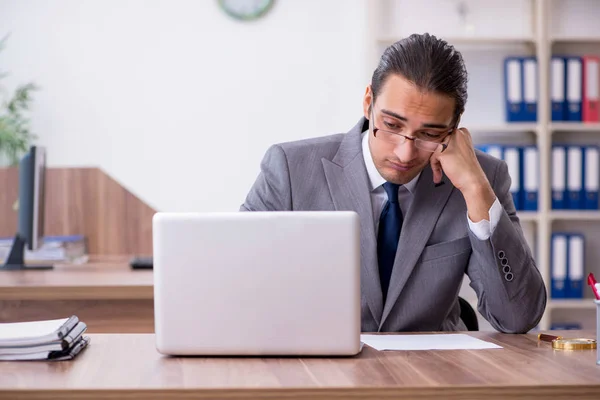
[(482, 229)]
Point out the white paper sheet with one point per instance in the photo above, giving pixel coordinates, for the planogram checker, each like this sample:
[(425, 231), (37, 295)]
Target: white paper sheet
[(33, 329), (450, 341)]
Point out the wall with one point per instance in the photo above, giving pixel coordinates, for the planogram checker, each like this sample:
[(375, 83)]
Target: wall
[(174, 99)]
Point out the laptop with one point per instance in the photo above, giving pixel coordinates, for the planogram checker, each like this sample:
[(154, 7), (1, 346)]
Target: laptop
[(257, 283)]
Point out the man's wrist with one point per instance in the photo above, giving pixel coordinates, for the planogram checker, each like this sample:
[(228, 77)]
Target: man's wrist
[(479, 199)]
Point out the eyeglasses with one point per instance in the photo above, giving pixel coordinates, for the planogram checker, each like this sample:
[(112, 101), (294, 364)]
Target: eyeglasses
[(395, 136)]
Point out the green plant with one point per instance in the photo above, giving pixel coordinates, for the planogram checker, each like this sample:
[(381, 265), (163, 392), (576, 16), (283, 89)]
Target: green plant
[(15, 134)]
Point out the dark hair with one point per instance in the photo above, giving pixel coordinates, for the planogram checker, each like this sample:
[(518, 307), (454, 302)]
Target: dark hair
[(428, 62)]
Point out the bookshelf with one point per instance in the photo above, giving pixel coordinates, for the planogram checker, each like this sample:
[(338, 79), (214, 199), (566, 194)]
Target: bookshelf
[(486, 32)]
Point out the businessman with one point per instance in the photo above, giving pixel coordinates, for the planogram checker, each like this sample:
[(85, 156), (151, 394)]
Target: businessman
[(431, 207)]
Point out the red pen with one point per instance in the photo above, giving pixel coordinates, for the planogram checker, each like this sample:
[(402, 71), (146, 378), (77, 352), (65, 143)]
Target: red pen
[(592, 282)]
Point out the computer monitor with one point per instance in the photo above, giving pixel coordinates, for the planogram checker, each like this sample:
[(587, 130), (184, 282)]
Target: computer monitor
[(30, 229)]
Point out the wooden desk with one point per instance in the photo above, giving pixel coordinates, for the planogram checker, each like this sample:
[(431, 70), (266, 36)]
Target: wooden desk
[(128, 366), (105, 293)]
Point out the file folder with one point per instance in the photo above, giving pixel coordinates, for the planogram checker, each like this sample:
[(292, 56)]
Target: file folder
[(512, 157), (574, 88), (530, 92), (574, 177), (557, 88), (513, 89), (531, 178), (575, 266), (591, 87), (591, 163), (565, 326), (559, 178), (492, 149), (558, 266)]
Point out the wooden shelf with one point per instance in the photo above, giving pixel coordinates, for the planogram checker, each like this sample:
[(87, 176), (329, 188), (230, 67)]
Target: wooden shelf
[(513, 127), (528, 216), (575, 215), (468, 40), (575, 127), (575, 39), (571, 303)]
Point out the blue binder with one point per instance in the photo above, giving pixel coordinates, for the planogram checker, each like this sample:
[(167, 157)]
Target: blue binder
[(565, 326), (513, 158), (530, 90), (574, 88), (559, 177), (575, 177), (591, 181), (513, 89), (575, 265), (557, 88), (531, 178), (558, 266), (493, 150)]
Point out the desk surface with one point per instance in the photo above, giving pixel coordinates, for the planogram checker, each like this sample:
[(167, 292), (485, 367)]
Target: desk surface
[(103, 278), (128, 366)]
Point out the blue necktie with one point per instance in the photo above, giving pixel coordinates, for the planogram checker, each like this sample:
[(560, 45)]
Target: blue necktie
[(390, 224)]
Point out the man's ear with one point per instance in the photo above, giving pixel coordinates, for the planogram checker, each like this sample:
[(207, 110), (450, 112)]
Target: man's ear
[(458, 121), (367, 101)]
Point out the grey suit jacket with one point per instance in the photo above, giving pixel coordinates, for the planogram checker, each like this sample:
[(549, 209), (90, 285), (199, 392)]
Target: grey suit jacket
[(436, 247)]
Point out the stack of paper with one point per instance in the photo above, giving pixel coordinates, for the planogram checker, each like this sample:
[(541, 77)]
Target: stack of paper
[(53, 340), (71, 249)]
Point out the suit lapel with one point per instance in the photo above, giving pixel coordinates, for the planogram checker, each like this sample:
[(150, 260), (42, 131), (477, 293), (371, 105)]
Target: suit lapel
[(418, 224), (349, 187)]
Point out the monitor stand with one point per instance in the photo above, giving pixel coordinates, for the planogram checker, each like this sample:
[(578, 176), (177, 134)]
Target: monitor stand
[(16, 260)]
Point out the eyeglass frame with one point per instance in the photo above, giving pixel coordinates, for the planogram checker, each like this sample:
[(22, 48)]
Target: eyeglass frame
[(414, 139)]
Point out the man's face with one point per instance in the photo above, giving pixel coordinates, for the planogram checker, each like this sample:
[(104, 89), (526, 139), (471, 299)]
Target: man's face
[(403, 108)]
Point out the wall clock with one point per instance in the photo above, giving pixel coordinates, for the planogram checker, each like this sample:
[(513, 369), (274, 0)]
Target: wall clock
[(246, 10)]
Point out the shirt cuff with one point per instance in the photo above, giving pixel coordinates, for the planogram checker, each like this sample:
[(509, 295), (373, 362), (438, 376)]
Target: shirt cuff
[(484, 228)]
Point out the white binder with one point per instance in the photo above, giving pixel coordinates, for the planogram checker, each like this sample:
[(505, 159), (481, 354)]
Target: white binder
[(557, 88), (513, 90), (591, 178), (531, 178), (530, 92), (576, 266), (559, 177), (559, 266), (574, 177), (512, 159), (495, 151), (574, 88)]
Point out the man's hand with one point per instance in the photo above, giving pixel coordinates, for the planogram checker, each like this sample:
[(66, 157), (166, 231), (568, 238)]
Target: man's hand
[(460, 165)]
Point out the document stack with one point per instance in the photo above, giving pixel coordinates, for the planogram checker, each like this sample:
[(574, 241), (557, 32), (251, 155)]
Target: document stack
[(71, 249), (520, 89), (567, 265), (51, 340), (575, 177), (524, 170), (574, 88)]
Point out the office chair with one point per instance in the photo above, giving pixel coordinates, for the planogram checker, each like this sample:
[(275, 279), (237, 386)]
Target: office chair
[(468, 315)]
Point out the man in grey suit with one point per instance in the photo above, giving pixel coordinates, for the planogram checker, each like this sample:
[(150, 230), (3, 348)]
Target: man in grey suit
[(431, 207)]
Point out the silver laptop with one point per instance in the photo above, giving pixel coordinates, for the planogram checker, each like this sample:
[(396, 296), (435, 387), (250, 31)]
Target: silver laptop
[(257, 283)]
